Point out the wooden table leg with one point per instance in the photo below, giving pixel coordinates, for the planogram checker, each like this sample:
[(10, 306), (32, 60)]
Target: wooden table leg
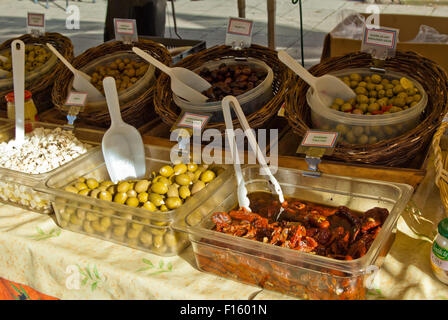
[(242, 8), (271, 24)]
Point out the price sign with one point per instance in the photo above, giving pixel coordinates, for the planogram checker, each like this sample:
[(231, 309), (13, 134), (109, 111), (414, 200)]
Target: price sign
[(239, 33), (319, 139), (78, 99), (381, 43), (35, 23), (126, 30), (189, 119)]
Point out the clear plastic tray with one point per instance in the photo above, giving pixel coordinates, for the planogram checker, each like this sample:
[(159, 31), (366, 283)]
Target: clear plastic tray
[(133, 227), (33, 75), (134, 91), (17, 188), (353, 127), (250, 101), (289, 271)]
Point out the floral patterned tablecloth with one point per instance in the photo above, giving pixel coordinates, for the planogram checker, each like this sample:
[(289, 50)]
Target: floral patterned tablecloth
[(37, 253)]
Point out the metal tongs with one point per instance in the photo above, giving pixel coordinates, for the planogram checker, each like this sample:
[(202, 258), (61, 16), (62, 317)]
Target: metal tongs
[(243, 200)]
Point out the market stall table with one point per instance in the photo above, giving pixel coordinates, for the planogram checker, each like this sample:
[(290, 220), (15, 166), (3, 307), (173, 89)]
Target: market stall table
[(37, 253)]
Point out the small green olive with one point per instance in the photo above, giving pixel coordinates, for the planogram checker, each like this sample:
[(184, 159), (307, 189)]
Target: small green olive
[(156, 199), (207, 176), (180, 168), (132, 202), (173, 203), (143, 197), (149, 206), (184, 192), (120, 197), (104, 195), (159, 187), (123, 187), (166, 171), (92, 183), (197, 186), (183, 179), (141, 186), (71, 189)]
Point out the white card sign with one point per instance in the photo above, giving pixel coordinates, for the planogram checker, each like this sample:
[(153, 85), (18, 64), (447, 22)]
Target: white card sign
[(189, 119), (76, 99), (319, 139), (125, 30), (35, 23), (381, 43), (239, 33)]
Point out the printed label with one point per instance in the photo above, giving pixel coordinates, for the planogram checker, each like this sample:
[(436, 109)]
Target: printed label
[(439, 263), (381, 43), (319, 139), (440, 252), (36, 19), (188, 120), (126, 30), (76, 99), (239, 33)]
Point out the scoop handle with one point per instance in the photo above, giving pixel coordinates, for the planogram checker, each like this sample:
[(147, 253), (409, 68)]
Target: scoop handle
[(18, 69), (297, 68), (113, 103), (254, 145), (243, 201), (152, 60), (61, 57)]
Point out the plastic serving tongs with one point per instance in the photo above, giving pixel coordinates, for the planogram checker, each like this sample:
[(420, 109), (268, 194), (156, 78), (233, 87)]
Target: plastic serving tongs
[(243, 200)]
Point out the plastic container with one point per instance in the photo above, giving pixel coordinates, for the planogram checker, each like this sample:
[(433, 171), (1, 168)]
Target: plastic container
[(133, 227), (366, 129), (439, 252), (250, 101), (126, 95), (33, 75), (17, 188), (289, 271), (30, 107)]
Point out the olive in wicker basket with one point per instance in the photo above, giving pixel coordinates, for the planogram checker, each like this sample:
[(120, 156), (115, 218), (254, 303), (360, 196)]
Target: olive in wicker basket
[(392, 151)]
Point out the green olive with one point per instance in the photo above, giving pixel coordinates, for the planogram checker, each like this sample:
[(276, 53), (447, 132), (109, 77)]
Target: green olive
[(373, 107), (373, 140), (159, 187), (123, 187), (183, 179), (197, 186), (88, 227), (184, 192), (357, 131), (146, 238), (161, 179), (84, 192), (358, 111), (119, 231), (112, 189), (133, 233), (363, 139), (376, 78), (149, 206), (335, 107), (355, 77), (397, 89), (92, 183), (164, 208), (141, 186), (166, 171), (417, 98), (170, 239), (143, 197), (105, 222), (342, 129), (207, 176), (362, 99), (132, 202), (158, 241), (132, 193), (80, 186), (104, 195), (192, 167), (120, 197), (180, 168), (346, 107), (106, 184), (361, 90), (94, 193), (173, 203), (338, 101), (156, 199)]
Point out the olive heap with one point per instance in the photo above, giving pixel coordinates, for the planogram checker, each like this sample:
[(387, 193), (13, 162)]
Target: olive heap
[(167, 190), (231, 80), (35, 57), (376, 95), (125, 71)]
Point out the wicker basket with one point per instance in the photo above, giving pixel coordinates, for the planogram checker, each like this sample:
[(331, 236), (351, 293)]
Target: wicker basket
[(136, 111), (441, 164), (391, 152), (41, 87), (169, 112)]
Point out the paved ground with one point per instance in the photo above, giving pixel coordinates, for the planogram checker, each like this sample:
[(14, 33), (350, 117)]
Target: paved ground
[(206, 20)]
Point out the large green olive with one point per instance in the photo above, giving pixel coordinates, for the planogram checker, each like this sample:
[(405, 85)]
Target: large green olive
[(132, 193), (92, 183), (156, 199), (120, 197), (184, 192), (143, 197), (71, 189), (80, 186), (159, 187), (104, 195), (123, 187), (166, 171), (207, 176), (149, 206), (141, 186), (183, 180), (192, 167), (180, 168), (173, 203), (132, 202)]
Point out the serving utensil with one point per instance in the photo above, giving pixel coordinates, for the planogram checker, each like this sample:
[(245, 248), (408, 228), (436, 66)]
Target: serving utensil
[(18, 76)]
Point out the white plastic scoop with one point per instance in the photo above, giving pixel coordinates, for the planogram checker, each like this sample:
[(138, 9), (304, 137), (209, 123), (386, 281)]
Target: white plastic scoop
[(184, 83), (122, 144), (18, 75), (81, 81), (327, 87), (242, 191)]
